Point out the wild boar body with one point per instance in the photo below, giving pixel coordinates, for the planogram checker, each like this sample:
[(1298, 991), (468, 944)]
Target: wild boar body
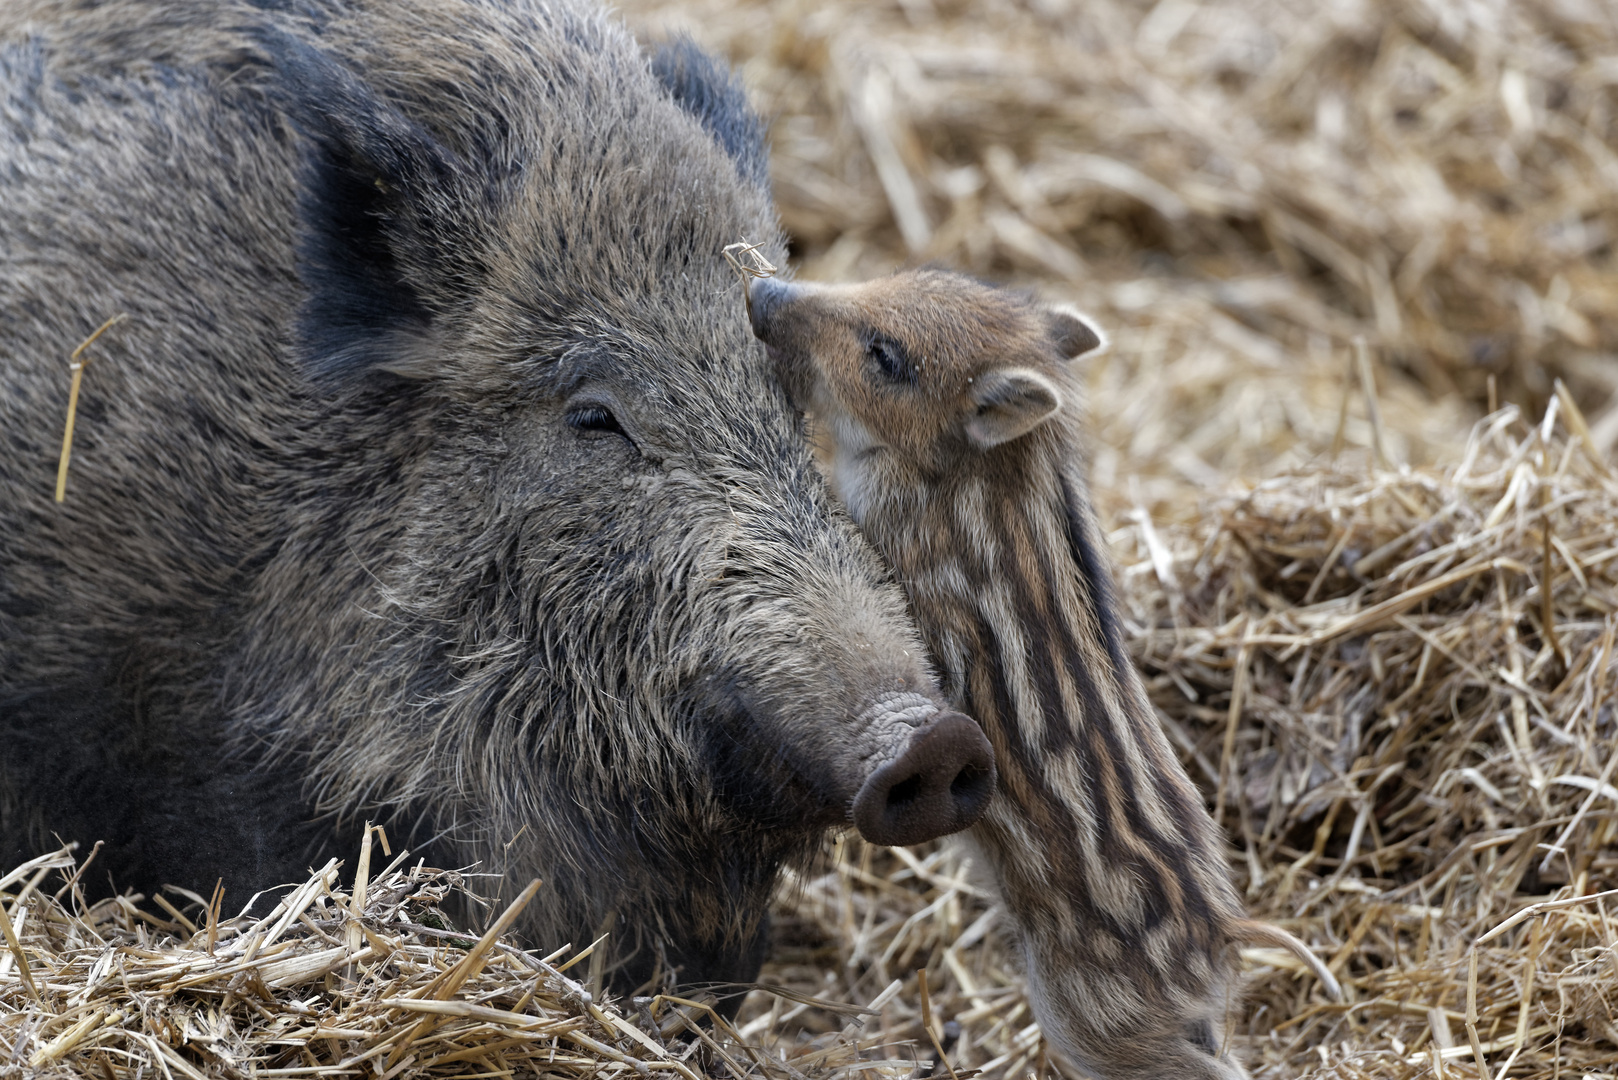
[(432, 477)]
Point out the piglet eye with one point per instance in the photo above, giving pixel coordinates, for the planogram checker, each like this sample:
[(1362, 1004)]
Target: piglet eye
[(890, 359)]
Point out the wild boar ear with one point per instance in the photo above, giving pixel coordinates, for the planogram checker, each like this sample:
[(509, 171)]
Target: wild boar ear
[(379, 205), (1074, 333), (704, 87), (1008, 404)]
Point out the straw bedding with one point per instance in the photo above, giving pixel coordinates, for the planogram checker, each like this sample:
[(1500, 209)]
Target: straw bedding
[(1374, 590)]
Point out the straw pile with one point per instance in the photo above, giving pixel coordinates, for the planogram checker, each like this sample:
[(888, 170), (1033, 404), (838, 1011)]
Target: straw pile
[(371, 982), (1377, 613), (1399, 687)]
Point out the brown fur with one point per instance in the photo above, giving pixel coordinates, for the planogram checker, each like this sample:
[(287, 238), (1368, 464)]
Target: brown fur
[(946, 417), (426, 482)]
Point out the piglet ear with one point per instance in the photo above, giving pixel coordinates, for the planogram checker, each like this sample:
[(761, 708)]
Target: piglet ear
[(1073, 333), (1009, 404)]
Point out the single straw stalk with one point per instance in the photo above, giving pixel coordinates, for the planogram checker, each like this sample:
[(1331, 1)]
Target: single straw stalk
[(76, 364)]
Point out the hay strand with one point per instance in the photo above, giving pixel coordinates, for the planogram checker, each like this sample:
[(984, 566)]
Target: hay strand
[(76, 364)]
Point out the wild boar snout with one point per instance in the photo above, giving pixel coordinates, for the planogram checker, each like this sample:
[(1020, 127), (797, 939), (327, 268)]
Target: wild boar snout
[(831, 714), (940, 781)]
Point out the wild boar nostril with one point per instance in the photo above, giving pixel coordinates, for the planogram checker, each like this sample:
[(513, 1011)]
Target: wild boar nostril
[(904, 792), (973, 782), (940, 783)]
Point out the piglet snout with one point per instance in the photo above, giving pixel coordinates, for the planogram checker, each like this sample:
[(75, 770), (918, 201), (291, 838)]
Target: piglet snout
[(766, 296)]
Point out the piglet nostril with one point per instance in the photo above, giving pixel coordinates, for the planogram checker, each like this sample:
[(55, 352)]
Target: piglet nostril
[(940, 783)]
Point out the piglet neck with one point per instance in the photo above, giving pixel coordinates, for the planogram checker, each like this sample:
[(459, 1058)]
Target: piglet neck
[(1107, 858)]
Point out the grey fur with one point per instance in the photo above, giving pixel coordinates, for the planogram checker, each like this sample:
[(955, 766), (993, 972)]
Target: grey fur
[(312, 570)]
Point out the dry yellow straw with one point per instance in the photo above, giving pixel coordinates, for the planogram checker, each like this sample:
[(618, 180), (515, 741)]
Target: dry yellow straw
[(76, 365), (16, 946), (1472, 1014), (1362, 358), (362, 876), (755, 266), (927, 1022), (468, 967)]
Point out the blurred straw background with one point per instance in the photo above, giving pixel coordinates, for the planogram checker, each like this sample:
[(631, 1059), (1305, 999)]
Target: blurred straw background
[(1354, 444)]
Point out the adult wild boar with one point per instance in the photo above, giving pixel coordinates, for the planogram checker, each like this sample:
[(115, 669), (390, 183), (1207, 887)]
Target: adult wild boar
[(433, 477)]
